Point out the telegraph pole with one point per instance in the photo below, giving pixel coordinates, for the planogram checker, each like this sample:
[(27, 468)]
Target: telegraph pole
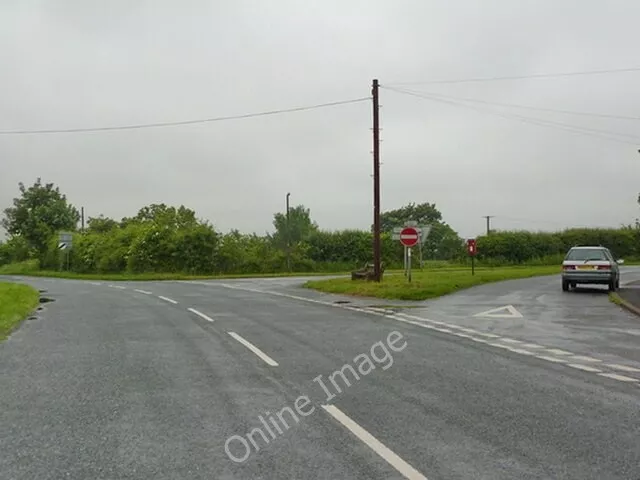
[(288, 237), (488, 217), (82, 215), (376, 182)]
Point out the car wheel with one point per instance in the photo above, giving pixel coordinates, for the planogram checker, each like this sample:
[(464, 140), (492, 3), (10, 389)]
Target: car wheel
[(565, 286), (612, 286), (618, 284)]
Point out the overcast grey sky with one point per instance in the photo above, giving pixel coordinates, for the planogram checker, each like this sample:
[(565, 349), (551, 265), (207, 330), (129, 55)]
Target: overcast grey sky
[(68, 64)]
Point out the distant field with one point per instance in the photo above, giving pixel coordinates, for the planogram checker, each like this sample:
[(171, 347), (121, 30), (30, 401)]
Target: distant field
[(16, 302), (427, 283)]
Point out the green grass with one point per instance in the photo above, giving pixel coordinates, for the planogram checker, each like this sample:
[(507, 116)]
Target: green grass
[(16, 302), (427, 283)]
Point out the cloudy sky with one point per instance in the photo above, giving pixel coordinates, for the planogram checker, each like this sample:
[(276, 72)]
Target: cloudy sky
[(83, 64)]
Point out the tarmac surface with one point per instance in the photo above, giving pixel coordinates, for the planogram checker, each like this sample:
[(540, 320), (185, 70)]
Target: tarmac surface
[(150, 380)]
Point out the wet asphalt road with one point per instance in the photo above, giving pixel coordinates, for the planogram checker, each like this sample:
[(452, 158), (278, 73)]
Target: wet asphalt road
[(119, 383)]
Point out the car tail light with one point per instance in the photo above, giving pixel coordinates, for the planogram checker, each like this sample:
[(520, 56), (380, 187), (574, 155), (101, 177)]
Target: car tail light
[(604, 267), (568, 267)]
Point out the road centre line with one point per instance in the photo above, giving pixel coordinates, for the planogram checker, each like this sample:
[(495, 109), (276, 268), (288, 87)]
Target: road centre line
[(167, 299), (142, 291), (394, 460), (430, 324), (120, 287), (200, 314), (97, 284), (266, 358)]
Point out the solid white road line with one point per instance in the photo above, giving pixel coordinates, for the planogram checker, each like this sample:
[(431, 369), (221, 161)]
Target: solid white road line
[(394, 460), (624, 368), (142, 291), (586, 368), (267, 359), (166, 299), (621, 378), (200, 314)]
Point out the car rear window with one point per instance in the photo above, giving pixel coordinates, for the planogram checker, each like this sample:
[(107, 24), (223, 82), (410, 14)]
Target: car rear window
[(586, 254)]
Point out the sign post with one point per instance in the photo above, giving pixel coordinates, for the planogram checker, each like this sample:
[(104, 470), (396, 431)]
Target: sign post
[(409, 237), (65, 242), (471, 248)]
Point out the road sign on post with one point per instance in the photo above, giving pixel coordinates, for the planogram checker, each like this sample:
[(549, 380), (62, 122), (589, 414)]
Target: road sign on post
[(65, 242), (471, 249), (409, 236)]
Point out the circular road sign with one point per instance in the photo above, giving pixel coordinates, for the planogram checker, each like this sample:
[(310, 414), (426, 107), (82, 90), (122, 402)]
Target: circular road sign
[(409, 236)]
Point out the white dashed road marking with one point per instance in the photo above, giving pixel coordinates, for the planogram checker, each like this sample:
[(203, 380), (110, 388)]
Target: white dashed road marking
[(394, 460), (556, 351), (585, 359), (167, 299), (624, 368), (267, 359), (586, 368), (621, 378), (120, 287), (142, 291), (551, 359), (200, 314)]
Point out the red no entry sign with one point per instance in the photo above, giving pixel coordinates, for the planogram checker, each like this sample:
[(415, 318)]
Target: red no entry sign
[(409, 236)]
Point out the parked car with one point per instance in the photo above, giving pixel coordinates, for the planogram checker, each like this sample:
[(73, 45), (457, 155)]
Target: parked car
[(590, 265)]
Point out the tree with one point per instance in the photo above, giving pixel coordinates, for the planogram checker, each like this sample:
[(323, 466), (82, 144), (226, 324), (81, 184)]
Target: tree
[(165, 216), (424, 214), (101, 224), (39, 212), (300, 226)]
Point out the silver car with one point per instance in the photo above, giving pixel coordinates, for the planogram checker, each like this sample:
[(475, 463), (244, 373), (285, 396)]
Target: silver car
[(590, 265)]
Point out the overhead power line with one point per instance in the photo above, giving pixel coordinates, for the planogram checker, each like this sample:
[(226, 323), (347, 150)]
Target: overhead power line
[(528, 107), (183, 122), (606, 135), (521, 77)]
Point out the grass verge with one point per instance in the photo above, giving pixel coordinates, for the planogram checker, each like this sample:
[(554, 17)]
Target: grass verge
[(16, 302), (427, 284), (28, 269)]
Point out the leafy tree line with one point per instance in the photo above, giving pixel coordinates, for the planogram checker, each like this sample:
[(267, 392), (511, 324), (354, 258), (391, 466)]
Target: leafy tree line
[(162, 238), (549, 247)]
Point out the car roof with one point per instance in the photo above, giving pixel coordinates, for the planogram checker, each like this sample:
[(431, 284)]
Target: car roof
[(589, 247)]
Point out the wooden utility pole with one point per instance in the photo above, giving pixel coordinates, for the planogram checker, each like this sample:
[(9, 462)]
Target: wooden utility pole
[(288, 237), (82, 216), (376, 182), (488, 217)]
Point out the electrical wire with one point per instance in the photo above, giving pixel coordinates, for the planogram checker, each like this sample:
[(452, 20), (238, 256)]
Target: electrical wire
[(184, 122), (551, 122), (519, 77), (527, 107), (603, 134)]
